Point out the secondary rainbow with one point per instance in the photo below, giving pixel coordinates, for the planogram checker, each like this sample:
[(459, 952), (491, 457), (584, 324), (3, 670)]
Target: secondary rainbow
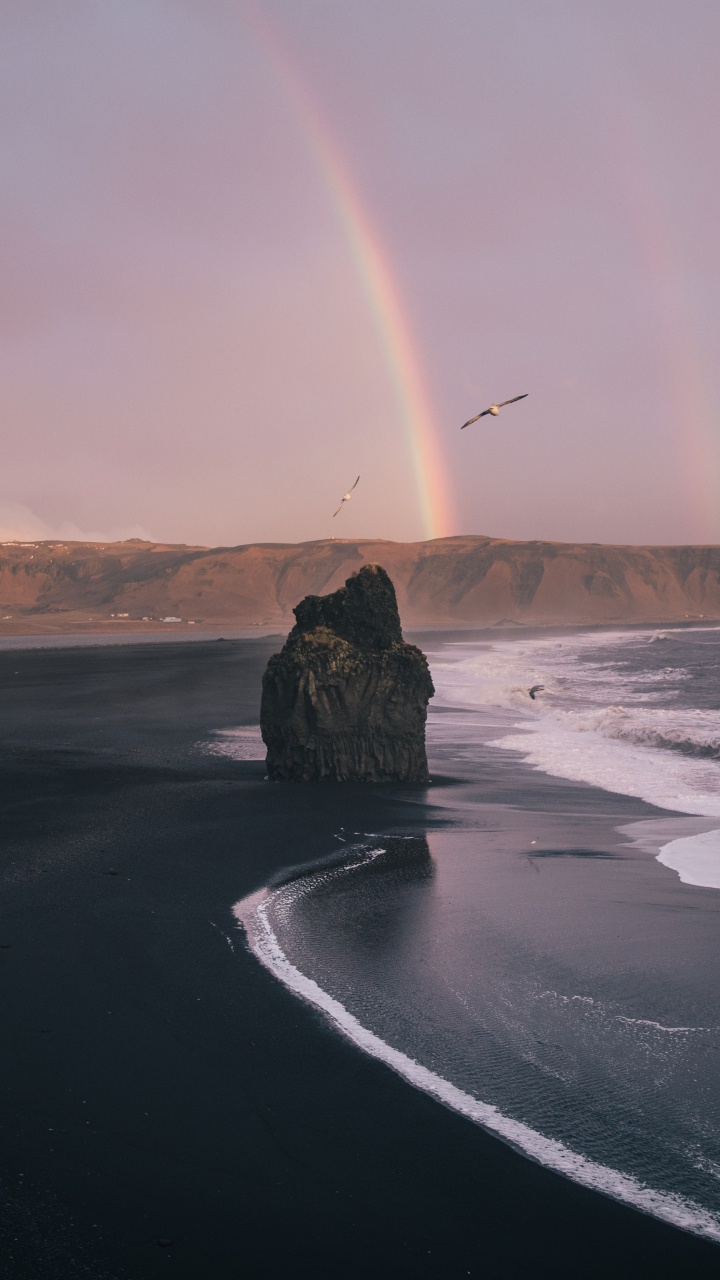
[(381, 291), (659, 253)]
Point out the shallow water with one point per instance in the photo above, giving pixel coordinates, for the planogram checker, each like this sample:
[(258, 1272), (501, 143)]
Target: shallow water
[(92, 640), (543, 972)]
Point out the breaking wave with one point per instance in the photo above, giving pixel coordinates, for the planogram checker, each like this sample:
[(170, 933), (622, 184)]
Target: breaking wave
[(607, 710)]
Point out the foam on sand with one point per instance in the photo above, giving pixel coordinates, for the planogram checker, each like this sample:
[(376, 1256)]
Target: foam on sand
[(252, 914), (580, 751), (695, 858), (241, 743)]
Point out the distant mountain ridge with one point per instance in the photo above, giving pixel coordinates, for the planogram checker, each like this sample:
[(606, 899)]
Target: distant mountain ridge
[(462, 581)]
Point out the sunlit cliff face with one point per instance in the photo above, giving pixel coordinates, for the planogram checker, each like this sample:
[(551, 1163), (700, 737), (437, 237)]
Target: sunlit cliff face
[(450, 582)]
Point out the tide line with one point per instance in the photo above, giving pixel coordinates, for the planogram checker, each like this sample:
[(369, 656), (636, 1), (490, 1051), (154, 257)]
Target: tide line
[(252, 915)]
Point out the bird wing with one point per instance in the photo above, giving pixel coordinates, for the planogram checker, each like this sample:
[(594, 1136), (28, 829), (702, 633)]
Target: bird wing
[(502, 402), (345, 497), (471, 420)]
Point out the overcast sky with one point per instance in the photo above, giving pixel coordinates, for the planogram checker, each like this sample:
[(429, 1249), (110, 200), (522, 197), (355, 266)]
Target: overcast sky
[(187, 348)]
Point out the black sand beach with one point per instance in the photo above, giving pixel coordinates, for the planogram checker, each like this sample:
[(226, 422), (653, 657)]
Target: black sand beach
[(168, 1108)]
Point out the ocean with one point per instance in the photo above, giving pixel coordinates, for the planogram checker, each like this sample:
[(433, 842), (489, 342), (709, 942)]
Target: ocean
[(636, 712), (544, 958)]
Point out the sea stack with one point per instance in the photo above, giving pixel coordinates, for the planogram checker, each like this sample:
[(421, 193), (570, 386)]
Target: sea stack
[(346, 698)]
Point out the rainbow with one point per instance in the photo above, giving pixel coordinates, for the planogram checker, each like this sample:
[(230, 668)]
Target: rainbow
[(379, 286), (661, 257)]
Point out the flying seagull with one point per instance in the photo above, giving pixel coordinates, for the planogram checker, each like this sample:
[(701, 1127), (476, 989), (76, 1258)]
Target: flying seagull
[(494, 409), (345, 498), (535, 689)]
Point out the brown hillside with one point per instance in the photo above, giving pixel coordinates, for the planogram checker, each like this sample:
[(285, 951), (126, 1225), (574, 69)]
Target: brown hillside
[(463, 581)]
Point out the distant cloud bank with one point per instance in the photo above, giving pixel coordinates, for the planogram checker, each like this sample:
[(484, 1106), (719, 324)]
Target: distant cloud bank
[(19, 524)]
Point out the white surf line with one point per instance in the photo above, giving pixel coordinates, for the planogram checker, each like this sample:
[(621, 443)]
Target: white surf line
[(251, 913), (656, 1026), (222, 935), (696, 859)]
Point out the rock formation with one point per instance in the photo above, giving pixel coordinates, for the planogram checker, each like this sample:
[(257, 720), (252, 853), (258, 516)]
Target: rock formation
[(346, 699)]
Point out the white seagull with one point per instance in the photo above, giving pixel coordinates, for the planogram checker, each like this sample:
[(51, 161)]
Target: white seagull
[(345, 498), (494, 409)]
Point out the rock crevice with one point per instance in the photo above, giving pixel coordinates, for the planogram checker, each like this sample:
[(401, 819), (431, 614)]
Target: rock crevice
[(346, 698)]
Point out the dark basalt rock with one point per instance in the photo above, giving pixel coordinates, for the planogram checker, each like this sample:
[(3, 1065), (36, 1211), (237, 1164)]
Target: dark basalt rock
[(346, 699)]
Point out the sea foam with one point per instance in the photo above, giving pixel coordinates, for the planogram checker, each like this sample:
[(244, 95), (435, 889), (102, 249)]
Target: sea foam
[(241, 743), (695, 858), (596, 718), (252, 915)]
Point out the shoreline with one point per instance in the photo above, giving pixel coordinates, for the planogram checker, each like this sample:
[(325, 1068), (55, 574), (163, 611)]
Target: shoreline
[(252, 916), (159, 1084), (182, 632)]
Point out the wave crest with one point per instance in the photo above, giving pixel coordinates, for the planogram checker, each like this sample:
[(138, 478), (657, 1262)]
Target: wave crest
[(693, 733)]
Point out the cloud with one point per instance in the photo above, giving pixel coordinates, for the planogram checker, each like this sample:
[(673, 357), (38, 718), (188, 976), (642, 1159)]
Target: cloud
[(19, 524)]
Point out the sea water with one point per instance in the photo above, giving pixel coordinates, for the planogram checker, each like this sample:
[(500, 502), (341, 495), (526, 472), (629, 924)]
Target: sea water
[(550, 970), (632, 712)]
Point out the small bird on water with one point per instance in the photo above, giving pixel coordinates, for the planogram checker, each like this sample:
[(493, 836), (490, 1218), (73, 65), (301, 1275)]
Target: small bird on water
[(494, 409), (535, 689), (345, 498)]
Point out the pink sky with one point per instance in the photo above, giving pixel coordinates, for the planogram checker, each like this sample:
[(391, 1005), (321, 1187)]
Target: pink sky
[(187, 347)]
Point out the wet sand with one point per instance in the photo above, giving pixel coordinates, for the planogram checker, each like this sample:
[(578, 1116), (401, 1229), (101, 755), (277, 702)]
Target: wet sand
[(158, 1084)]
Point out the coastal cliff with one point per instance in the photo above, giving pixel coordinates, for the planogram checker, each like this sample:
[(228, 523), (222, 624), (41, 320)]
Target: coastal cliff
[(346, 699), (51, 587)]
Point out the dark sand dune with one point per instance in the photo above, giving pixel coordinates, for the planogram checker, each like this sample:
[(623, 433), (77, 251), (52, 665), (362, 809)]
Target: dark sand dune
[(463, 581)]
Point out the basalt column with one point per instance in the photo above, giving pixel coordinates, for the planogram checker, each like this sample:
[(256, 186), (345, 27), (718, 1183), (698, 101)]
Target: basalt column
[(346, 698)]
